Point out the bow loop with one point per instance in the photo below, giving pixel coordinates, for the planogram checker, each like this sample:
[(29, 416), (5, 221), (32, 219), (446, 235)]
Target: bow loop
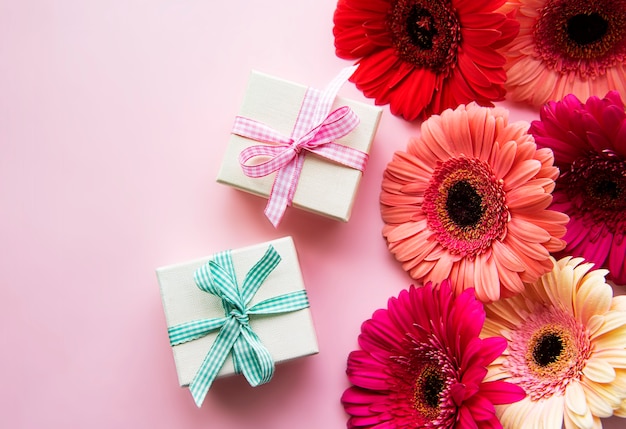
[(335, 126), (258, 273), (226, 285), (214, 360), (277, 157), (235, 336), (315, 130)]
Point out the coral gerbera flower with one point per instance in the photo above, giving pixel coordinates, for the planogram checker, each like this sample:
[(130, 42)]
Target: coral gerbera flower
[(423, 56), (589, 144), (566, 347), (421, 364), (566, 47), (468, 200)]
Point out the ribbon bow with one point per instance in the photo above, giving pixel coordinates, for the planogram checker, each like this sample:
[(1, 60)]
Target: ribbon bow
[(250, 356), (314, 131)]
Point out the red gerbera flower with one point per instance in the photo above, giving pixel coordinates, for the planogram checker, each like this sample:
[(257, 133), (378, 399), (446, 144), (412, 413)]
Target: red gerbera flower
[(423, 56), (421, 364), (589, 145)]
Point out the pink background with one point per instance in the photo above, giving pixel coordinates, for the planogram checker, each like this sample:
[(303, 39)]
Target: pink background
[(114, 116)]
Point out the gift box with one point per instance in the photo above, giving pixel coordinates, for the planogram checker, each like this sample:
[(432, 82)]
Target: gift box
[(285, 334), (324, 186)]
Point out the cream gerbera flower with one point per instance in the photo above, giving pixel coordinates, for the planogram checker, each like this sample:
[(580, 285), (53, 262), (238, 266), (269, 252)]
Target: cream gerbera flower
[(567, 349)]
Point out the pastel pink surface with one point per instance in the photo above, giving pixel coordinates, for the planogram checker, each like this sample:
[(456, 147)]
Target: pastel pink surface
[(114, 116)]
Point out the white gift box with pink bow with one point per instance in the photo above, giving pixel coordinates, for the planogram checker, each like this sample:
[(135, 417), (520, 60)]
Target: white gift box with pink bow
[(299, 146)]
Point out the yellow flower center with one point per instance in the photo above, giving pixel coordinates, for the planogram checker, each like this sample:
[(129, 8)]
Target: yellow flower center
[(428, 388), (550, 350), (547, 351)]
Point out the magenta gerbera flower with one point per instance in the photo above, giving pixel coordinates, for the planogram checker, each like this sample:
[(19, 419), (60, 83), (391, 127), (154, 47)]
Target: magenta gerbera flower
[(421, 364), (589, 144)]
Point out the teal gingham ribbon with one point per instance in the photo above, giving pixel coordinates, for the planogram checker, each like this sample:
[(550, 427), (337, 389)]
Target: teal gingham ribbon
[(250, 356)]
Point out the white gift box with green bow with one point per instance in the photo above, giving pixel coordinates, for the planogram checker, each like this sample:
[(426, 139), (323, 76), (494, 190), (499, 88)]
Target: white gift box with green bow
[(239, 311)]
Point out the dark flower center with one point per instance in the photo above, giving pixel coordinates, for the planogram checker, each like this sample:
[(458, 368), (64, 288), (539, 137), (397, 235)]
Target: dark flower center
[(596, 185), (568, 32), (587, 28), (420, 27), (425, 33), (428, 388), (464, 204), (420, 384), (431, 387), (548, 349), (605, 189)]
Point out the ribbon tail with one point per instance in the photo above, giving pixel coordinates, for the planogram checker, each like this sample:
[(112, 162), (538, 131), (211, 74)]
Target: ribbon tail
[(214, 360), (255, 361), (327, 97), (299, 163), (283, 190)]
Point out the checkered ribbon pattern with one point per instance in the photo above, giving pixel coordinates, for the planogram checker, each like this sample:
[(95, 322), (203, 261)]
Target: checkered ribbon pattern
[(235, 337), (315, 131)]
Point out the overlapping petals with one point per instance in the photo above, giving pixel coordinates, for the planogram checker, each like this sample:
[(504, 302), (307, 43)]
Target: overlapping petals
[(421, 364), (566, 348), (468, 201), (566, 47), (423, 56), (589, 145)]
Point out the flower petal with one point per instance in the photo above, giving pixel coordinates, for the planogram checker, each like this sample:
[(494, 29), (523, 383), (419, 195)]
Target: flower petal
[(575, 398), (500, 392)]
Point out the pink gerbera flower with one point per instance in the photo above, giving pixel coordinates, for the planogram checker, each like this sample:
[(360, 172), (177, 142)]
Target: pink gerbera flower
[(424, 56), (589, 144), (468, 201), (566, 348), (566, 46), (421, 364)]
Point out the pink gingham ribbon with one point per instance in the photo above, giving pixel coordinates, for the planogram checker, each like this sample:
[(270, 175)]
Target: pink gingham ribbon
[(315, 131)]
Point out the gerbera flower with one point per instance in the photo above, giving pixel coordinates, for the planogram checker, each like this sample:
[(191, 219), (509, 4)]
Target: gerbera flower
[(566, 46), (421, 364), (566, 347), (423, 56), (468, 201), (589, 144)]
